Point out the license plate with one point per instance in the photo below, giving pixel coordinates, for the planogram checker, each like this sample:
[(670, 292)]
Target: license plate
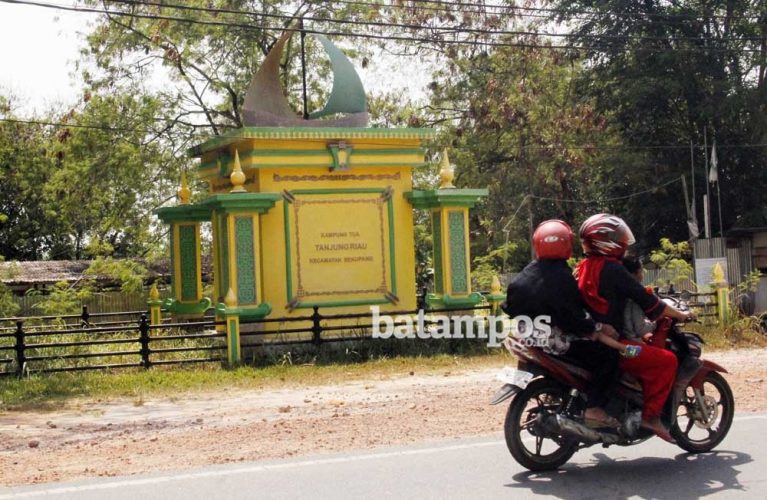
[(514, 376)]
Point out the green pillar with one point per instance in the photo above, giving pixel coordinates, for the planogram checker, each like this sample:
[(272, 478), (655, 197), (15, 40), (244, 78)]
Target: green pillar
[(186, 265), (449, 210), (237, 252)]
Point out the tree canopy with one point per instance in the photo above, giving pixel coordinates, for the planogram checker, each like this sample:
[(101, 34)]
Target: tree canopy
[(561, 110)]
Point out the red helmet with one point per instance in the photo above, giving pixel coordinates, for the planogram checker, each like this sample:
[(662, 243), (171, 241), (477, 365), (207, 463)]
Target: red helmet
[(605, 234), (553, 239)]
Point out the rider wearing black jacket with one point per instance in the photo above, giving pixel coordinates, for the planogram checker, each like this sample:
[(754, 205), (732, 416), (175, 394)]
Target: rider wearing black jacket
[(546, 287)]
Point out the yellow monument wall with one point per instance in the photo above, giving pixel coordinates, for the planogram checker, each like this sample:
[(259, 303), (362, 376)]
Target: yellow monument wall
[(340, 235)]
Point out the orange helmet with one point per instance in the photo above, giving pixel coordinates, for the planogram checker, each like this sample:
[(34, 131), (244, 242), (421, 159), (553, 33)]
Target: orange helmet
[(553, 239), (605, 234)]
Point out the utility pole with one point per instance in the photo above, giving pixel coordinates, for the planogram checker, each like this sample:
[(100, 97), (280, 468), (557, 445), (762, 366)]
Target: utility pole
[(303, 65), (692, 181), (707, 206)]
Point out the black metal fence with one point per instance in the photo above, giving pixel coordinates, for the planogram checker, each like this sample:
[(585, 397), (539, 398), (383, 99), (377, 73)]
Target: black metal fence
[(127, 340), (704, 304)]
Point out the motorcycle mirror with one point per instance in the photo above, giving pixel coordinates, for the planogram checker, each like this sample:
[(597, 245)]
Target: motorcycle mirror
[(685, 295)]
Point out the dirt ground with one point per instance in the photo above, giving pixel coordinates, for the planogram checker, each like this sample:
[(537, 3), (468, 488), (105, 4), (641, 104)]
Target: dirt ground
[(119, 438)]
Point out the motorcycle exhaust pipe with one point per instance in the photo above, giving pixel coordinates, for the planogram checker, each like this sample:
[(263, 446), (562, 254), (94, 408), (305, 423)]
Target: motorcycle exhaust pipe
[(559, 424)]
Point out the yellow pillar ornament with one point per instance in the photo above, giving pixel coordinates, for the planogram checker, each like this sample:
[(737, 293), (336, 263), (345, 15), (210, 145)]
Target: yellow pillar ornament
[(495, 286), (155, 306), (237, 178), (184, 193), (231, 298), (446, 172), (496, 296), (717, 274), (721, 288)]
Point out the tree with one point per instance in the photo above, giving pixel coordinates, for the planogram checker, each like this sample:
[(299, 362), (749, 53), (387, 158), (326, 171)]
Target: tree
[(28, 230), (669, 70), (510, 117), (114, 166)]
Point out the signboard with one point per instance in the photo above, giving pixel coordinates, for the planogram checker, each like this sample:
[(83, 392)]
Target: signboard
[(339, 244), (704, 269)]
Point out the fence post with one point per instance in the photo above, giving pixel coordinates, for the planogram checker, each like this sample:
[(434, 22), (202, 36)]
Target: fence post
[(85, 316), (143, 329), (316, 326), (21, 357)]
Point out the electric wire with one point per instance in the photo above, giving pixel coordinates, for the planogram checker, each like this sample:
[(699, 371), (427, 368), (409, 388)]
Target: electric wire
[(108, 128), (391, 37), (447, 29)]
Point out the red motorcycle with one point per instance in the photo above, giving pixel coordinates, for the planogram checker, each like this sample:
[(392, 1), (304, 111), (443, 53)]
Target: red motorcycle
[(544, 424)]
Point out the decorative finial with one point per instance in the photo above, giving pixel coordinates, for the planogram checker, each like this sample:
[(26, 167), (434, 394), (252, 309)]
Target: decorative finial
[(184, 193), (717, 274), (154, 293), (237, 177), (446, 172), (231, 299), (495, 285)]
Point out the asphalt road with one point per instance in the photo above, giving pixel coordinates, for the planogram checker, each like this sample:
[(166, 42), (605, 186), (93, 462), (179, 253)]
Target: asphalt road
[(470, 468)]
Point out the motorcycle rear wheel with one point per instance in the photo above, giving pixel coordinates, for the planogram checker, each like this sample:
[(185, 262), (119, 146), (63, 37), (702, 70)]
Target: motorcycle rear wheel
[(541, 396), (690, 430)]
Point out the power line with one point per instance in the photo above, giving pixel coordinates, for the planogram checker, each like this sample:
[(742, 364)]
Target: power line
[(448, 29), (552, 11), (72, 125), (605, 200), (464, 41), (534, 147)]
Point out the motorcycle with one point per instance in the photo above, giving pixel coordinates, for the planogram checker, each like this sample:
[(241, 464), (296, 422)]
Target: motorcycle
[(544, 424)]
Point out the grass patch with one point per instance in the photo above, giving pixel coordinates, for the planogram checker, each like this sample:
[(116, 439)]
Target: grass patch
[(741, 333), (49, 391)]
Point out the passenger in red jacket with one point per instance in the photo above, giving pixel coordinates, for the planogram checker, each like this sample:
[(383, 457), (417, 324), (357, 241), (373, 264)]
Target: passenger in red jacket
[(546, 287), (605, 285)]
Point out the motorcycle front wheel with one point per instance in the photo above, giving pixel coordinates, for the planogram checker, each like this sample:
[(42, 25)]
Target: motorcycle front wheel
[(703, 423), (524, 436)]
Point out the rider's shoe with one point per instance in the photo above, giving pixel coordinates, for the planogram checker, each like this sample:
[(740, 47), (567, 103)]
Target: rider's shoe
[(654, 424)]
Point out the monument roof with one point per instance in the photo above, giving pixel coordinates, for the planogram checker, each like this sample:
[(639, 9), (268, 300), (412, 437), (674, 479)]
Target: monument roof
[(293, 133)]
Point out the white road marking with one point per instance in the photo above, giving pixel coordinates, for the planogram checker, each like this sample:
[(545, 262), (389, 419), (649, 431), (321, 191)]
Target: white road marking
[(269, 467), (245, 470)]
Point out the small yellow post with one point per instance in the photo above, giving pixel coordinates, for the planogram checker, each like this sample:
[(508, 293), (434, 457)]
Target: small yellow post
[(721, 288), (155, 306), (232, 318), (496, 296)]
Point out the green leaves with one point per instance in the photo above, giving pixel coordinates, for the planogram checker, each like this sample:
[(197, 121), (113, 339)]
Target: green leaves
[(518, 128)]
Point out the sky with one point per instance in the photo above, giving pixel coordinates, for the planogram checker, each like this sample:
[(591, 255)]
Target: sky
[(40, 47)]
